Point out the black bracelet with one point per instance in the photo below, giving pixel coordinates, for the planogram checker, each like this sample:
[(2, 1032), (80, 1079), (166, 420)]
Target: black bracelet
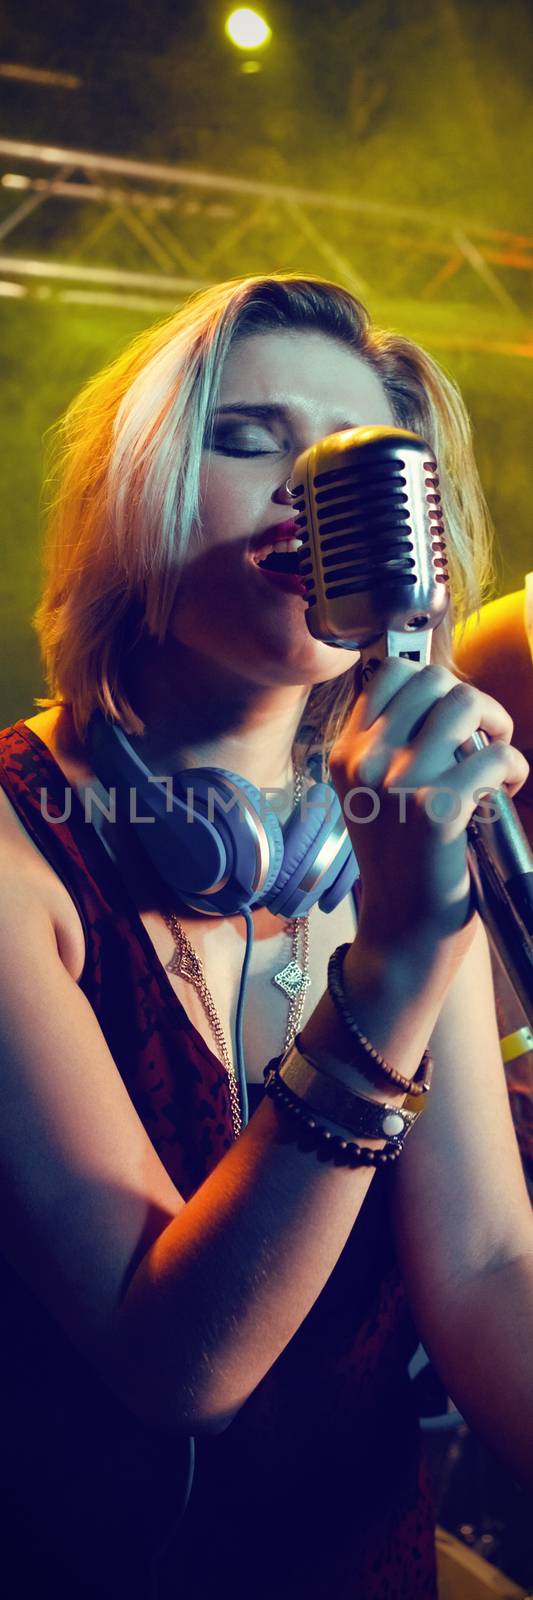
[(315, 1136)]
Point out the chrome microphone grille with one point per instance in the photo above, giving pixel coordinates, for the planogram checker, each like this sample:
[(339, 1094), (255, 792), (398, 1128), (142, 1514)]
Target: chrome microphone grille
[(373, 554)]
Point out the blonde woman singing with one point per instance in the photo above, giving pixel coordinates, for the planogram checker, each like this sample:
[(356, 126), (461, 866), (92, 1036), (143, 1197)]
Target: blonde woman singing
[(170, 1270)]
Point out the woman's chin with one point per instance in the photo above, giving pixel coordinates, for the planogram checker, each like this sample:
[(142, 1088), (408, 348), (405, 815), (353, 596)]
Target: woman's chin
[(326, 661), (309, 661)]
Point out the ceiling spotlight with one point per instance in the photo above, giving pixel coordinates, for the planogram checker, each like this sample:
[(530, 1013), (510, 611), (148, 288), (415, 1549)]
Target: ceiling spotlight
[(247, 29), (14, 180), (15, 291)]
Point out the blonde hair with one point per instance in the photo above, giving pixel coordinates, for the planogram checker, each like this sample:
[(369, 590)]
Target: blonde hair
[(124, 487)]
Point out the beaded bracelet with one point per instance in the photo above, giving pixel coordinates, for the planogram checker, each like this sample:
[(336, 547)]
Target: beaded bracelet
[(315, 1136), (421, 1082)]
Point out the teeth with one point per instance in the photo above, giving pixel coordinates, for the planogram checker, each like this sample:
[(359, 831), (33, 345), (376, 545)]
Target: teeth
[(286, 545)]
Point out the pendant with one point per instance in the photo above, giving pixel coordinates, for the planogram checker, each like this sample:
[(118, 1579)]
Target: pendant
[(292, 980), (184, 962)]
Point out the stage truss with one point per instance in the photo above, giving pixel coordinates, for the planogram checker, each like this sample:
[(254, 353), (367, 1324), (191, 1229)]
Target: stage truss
[(143, 236)]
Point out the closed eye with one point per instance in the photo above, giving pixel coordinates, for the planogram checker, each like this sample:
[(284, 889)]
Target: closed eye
[(250, 441)]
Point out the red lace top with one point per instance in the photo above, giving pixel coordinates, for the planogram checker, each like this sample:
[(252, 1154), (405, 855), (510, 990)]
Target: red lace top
[(317, 1486)]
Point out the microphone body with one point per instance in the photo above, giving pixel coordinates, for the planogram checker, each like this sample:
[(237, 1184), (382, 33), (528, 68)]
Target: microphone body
[(373, 556), (373, 559)]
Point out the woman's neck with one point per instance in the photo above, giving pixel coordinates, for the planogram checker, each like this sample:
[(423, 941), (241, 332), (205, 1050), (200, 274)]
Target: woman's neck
[(202, 715)]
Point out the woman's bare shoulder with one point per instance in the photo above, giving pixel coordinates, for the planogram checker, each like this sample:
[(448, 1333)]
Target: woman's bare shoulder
[(55, 729)]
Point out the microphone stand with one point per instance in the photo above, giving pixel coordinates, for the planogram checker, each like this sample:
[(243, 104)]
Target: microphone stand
[(508, 924), (505, 926)]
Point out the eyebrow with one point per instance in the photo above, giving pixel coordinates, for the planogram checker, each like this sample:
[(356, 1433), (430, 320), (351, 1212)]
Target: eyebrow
[(268, 412)]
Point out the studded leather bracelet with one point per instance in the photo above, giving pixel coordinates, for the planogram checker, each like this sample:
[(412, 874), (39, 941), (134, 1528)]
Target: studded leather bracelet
[(319, 1091)]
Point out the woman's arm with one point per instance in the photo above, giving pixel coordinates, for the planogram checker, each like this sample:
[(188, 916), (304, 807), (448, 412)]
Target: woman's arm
[(182, 1307), (464, 1222)]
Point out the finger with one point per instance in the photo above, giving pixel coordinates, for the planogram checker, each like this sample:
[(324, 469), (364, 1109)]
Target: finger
[(393, 676), (415, 689), (448, 725), (397, 703), (396, 684), (432, 714), (462, 710), (460, 789)]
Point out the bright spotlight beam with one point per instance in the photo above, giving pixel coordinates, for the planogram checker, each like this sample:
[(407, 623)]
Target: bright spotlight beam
[(247, 29)]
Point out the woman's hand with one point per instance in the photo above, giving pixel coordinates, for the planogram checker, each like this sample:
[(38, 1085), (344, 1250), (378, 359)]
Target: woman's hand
[(408, 825)]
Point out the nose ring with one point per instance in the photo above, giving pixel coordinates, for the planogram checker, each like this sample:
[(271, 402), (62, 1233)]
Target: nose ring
[(290, 491)]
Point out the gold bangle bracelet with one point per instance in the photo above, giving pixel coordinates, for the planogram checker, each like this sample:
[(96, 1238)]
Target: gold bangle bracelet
[(358, 1113)]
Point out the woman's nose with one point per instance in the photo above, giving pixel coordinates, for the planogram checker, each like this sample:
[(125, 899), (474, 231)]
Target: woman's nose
[(283, 495)]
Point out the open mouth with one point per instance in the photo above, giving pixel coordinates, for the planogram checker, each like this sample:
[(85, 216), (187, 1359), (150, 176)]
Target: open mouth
[(281, 568), (276, 555), (279, 561)]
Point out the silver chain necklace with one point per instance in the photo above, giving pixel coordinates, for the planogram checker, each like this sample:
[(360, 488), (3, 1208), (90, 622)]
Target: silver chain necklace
[(293, 979)]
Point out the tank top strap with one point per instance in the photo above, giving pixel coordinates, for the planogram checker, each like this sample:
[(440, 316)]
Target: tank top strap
[(176, 1082)]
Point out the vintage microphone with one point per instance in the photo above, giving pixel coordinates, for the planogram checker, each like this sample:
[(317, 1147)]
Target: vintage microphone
[(373, 560)]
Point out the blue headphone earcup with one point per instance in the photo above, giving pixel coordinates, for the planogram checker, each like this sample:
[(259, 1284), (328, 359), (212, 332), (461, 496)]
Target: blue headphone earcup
[(317, 851), (251, 834), (207, 831), (187, 850), (348, 874), (343, 883)]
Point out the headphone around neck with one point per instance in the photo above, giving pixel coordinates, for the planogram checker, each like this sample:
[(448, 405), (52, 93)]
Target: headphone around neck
[(216, 839)]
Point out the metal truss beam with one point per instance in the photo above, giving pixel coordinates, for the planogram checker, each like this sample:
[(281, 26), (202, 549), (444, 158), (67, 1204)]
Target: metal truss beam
[(167, 217)]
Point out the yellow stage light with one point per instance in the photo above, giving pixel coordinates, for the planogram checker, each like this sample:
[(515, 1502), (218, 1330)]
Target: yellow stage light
[(247, 29), (14, 180)]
